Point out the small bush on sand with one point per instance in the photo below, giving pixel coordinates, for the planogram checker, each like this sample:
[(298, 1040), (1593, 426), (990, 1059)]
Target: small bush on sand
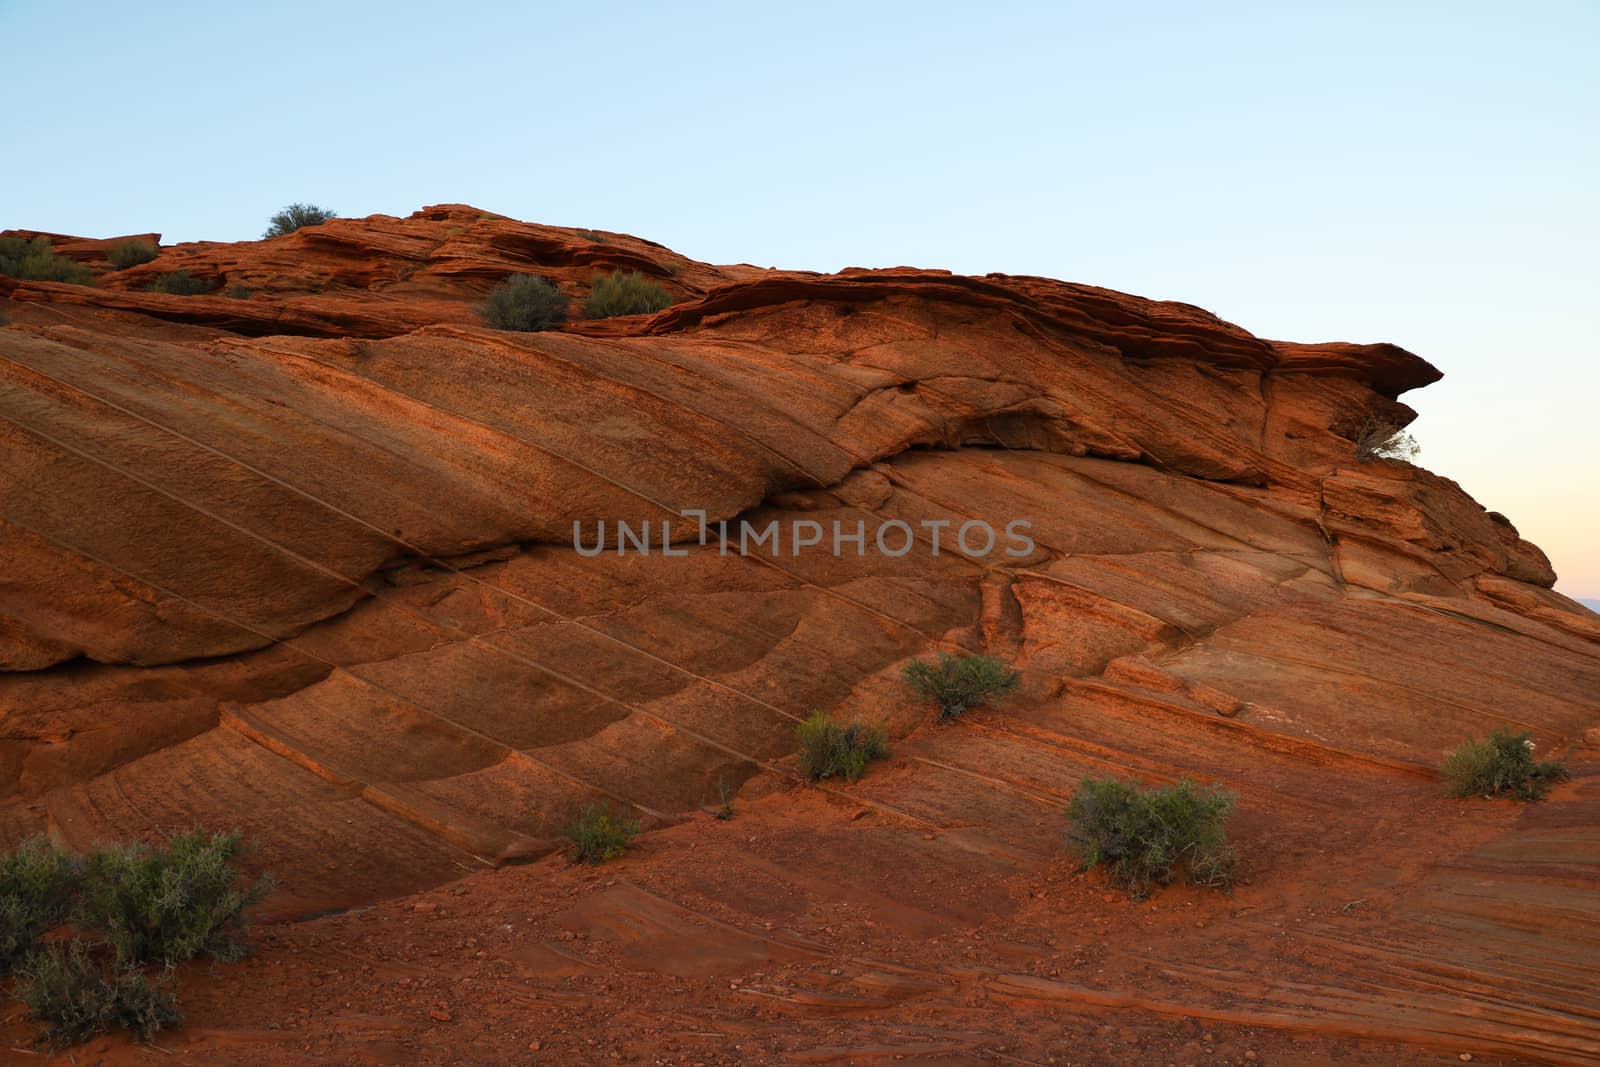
[(170, 904), (73, 996), (524, 302), (131, 253), (294, 216), (829, 750), (627, 293), (240, 292), (38, 883), (1144, 835), (36, 261), (598, 835), (1501, 765), (957, 683), (1382, 439), (179, 283)]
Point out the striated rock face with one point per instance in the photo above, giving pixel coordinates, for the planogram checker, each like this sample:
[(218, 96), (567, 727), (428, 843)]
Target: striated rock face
[(303, 563), (311, 551)]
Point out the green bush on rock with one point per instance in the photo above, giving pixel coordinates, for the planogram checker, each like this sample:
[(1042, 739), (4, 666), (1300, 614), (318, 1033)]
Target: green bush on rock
[(524, 302), (829, 749), (957, 683), (1502, 764), (625, 293), (36, 261), (294, 217), (1142, 836)]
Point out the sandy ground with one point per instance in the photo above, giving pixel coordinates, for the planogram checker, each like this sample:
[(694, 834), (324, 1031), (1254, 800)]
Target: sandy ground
[(859, 926)]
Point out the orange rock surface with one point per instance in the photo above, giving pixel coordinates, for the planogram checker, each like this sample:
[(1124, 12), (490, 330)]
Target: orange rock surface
[(303, 563)]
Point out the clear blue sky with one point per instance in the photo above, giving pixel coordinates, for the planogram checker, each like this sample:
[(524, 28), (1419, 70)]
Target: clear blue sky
[(1422, 173)]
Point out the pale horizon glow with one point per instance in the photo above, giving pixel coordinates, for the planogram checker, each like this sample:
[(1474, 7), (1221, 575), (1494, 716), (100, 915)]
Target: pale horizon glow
[(1423, 174)]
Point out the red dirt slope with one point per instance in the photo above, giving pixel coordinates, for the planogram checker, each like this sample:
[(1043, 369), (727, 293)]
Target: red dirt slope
[(303, 563)]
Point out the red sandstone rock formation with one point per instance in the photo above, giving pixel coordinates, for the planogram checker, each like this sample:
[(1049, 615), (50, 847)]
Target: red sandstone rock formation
[(303, 563)]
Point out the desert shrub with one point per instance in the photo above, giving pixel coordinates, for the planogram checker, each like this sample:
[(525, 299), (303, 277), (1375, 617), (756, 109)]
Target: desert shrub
[(626, 293), (73, 996), (524, 302), (36, 261), (1501, 764), (240, 292), (173, 903), (294, 216), (1382, 439), (38, 882), (131, 253), (1143, 835), (598, 835), (179, 283), (957, 683), (829, 750)]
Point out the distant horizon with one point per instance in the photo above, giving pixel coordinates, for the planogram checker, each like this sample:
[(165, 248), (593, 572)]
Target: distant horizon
[(1422, 176)]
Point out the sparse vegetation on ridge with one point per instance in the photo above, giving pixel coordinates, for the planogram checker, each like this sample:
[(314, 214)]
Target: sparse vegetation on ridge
[(36, 261), (599, 836), (831, 750), (1382, 439), (624, 293), (296, 216), (179, 283), (957, 683), (131, 253), (1143, 836), (524, 302), (1502, 764)]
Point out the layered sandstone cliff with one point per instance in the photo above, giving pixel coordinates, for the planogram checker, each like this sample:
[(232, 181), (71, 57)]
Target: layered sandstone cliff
[(303, 562)]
